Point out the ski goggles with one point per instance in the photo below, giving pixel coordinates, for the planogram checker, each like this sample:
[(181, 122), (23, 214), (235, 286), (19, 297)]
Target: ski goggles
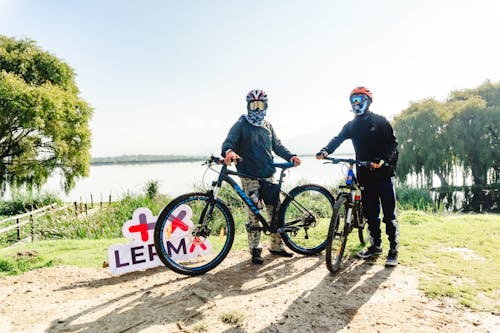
[(358, 99), (257, 105)]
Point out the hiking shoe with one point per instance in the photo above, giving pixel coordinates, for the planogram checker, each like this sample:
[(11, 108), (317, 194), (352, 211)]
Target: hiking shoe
[(392, 258), (371, 251), (281, 253), (256, 257)]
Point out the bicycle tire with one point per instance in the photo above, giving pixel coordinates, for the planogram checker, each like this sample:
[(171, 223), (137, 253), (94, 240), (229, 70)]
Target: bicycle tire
[(337, 236), (305, 215), (180, 243)]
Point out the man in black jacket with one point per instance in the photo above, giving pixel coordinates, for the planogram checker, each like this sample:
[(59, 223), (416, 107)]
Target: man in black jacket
[(254, 139), (373, 140)]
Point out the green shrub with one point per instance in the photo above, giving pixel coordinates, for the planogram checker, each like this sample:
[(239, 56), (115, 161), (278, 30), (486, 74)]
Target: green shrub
[(105, 223), (24, 202), (152, 189), (414, 198)]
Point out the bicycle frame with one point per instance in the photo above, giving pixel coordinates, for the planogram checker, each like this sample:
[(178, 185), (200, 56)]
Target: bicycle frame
[(225, 176), (351, 192)]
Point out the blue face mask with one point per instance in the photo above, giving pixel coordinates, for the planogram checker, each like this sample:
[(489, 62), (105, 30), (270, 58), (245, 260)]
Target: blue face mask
[(359, 103), (256, 117)]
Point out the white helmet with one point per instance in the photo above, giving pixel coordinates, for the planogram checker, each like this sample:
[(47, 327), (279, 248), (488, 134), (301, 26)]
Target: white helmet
[(257, 95)]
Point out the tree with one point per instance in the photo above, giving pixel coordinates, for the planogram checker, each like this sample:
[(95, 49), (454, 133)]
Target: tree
[(463, 131), (424, 149), (476, 116), (43, 121), (475, 127)]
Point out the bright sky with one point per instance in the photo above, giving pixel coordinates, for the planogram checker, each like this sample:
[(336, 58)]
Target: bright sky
[(170, 77)]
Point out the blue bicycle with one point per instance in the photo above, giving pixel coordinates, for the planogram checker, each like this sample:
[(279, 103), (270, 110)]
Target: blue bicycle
[(348, 215), (195, 231)]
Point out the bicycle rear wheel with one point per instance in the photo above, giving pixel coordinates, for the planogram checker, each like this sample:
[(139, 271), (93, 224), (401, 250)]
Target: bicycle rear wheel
[(305, 215), (193, 234), (337, 236)]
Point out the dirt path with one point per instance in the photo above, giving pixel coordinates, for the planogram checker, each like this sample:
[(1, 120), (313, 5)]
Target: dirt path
[(284, 295)]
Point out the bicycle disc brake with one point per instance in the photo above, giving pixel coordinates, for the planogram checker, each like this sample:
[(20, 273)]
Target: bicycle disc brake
[(202, 229)]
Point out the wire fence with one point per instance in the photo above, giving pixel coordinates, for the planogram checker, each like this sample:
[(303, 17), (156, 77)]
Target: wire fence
[(27, 226)]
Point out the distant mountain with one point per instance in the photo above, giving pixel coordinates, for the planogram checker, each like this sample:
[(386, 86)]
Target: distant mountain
[(305, 144), (133, 159), (311, 143)]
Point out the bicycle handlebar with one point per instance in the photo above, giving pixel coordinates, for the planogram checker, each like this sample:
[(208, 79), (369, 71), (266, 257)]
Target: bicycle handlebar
[(284, 165), (333, 160), (213, 160), (219, 161)]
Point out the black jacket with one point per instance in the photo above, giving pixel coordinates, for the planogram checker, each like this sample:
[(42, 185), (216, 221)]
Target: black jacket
[(373, 139), (255, 145)]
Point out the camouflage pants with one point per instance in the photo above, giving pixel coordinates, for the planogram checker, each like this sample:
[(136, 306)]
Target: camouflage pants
[(249, 186)]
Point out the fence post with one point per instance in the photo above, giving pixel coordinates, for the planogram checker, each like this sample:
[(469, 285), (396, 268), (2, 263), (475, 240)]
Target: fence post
[(32, 222), (18, 229), (76, 209), (91, 201), (86, 212), (109, 200)]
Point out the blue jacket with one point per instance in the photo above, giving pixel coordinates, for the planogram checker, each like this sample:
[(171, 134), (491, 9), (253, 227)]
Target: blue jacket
[(255, 145)]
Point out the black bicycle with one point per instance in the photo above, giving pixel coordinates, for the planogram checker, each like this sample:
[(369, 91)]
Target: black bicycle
[(347, 216), (195, 231)]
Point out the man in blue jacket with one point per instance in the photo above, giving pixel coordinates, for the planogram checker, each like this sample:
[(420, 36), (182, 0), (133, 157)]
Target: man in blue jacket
[(253, 138), (373, 140)]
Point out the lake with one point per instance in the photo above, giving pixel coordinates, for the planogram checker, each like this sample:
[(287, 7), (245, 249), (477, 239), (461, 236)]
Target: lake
[(175, 178)]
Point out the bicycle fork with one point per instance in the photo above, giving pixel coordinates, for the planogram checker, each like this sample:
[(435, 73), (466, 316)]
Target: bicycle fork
[(202, 229)]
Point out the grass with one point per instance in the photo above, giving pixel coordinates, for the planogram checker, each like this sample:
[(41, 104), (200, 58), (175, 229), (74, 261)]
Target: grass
[(201, 327), (104, 224), (458, 255), (82, 253), (232, 317)]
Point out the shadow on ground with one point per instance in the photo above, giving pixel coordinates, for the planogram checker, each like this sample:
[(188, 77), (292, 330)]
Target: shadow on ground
[(162, 300)]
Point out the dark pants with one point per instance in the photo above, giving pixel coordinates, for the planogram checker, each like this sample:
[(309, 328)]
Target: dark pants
[(375, 193)]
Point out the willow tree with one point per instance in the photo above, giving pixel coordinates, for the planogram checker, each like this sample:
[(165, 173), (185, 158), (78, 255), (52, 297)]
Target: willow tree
[(424, 149), (43, 121), (463, 131), (475, 126)]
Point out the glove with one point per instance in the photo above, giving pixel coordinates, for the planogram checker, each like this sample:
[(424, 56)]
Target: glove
[(295, 160), (374, 165), (231, 157), (322, 154)]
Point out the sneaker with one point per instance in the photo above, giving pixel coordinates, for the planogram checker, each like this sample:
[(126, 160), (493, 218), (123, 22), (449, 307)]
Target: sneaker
[(371, 251), (282, 253), (392, 258), (256, 257)]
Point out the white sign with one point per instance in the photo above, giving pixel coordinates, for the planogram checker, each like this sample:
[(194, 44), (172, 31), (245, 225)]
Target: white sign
[(180, 243), (141, 253)]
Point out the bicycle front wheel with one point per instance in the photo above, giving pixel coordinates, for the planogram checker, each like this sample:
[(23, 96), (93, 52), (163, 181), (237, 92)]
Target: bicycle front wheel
[(361, 223), (305, 215), (194, 233), (337, 236)]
